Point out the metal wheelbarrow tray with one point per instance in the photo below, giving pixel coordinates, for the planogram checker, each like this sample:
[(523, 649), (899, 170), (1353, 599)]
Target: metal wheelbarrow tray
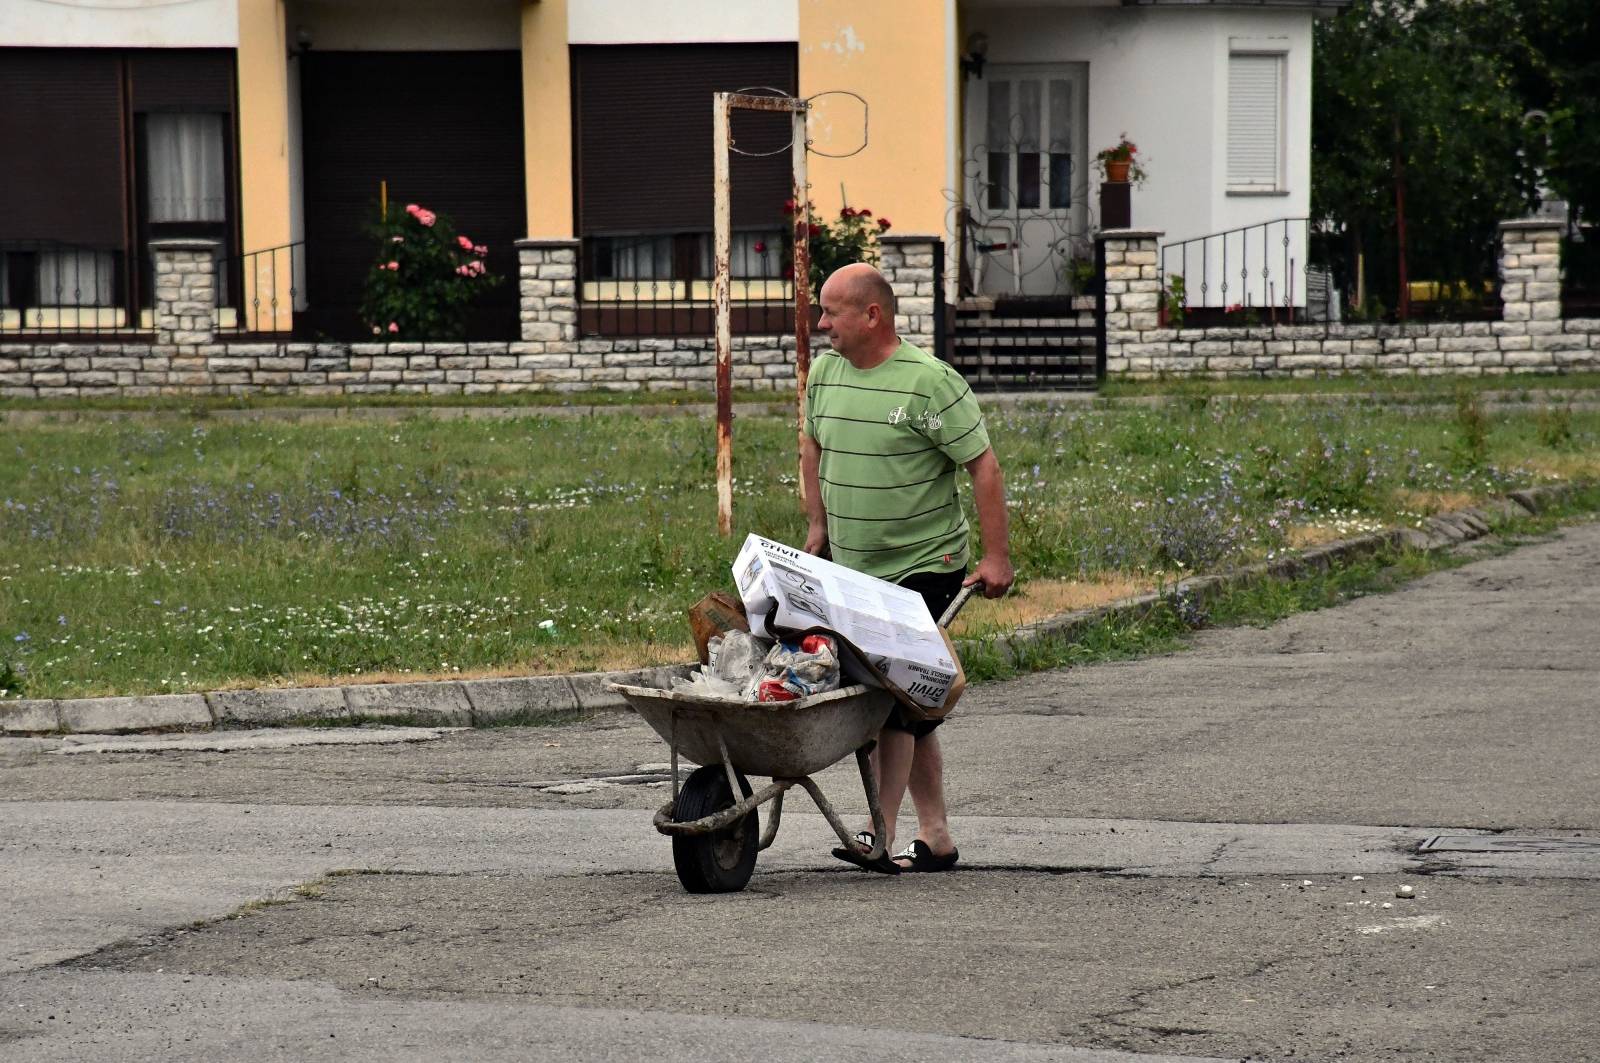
[(714, 835)]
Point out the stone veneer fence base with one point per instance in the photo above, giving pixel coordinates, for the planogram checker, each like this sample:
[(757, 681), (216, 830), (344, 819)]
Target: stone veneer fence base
[(186, 357), (1530, 337)]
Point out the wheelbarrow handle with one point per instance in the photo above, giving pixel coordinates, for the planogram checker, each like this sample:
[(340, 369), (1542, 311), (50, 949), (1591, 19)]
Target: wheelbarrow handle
[(960, 600)]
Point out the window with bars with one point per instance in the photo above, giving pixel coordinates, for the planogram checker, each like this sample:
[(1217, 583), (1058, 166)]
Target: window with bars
[(1028, 138), (1255, 121)]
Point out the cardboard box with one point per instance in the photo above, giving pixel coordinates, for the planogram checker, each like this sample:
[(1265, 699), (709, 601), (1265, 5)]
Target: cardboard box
[(897, 643)]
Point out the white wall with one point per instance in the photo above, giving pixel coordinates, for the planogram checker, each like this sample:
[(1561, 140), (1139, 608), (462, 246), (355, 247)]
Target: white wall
[(681, 21), (1161, 76), (119, 23), (407, 25)]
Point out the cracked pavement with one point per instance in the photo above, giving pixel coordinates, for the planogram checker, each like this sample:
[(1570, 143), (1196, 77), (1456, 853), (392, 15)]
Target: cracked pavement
[(1180, 858)]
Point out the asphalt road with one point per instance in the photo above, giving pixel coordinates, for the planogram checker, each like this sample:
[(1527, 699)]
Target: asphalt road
[(1188, 857)]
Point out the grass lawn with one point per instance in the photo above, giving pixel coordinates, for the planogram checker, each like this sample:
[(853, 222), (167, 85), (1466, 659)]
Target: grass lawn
[(181, 554), (1377, 386)]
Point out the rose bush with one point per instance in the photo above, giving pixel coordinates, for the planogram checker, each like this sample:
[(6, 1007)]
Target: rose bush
[(852, 237), (424, 277)]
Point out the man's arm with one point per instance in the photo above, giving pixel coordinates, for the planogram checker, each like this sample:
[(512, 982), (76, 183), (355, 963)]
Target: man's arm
[(816, 515), (989, 493)]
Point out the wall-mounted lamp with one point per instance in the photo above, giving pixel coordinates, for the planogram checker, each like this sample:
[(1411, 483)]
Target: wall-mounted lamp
[(977, 48)]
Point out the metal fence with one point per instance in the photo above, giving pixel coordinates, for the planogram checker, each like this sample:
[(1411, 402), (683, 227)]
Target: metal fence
[(260, 291), (1259, 270), (661, 285), (1580, 273), (56, 288)]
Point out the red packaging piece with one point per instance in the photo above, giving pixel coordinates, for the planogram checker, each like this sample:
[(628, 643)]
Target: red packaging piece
[(816, 644), (774, 690)]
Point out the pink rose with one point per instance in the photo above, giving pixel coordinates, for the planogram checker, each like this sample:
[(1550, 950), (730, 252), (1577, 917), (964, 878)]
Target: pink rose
[(466, 245), (481, 249), (393, 327), (398, 239), (393, 265), (426, 218), (412, 208)]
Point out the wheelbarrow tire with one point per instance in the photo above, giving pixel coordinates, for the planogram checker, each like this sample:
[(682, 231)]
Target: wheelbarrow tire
[(721, 862)]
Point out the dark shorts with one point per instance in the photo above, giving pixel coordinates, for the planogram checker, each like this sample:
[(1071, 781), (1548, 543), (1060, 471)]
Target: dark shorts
[(938, 589)]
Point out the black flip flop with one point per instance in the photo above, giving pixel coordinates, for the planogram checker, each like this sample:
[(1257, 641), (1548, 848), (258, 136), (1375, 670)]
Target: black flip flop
[(922, 858), (882, 865)]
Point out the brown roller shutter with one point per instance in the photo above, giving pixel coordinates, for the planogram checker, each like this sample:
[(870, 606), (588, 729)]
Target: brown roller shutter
[(644, 135), (61, 126), (182, 80)]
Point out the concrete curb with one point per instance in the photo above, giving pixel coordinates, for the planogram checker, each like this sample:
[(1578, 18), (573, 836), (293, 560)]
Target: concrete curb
[(451, 703), (528, 699)]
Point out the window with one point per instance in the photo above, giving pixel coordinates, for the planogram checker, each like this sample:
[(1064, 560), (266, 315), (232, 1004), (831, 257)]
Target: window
[(1029, 141), (1255, 121), (185, 168)]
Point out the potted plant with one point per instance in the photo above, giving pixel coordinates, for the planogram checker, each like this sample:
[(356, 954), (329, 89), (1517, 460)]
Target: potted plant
[(1119, 163)]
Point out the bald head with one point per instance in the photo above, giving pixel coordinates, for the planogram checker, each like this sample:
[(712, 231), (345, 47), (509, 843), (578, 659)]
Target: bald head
[(858, 315), (860, 285)]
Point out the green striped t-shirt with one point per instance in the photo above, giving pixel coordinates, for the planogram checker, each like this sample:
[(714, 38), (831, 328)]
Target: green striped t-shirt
[(892, 439)]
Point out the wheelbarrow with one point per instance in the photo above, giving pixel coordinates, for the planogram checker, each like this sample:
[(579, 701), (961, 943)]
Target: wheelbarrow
[(711, 818)]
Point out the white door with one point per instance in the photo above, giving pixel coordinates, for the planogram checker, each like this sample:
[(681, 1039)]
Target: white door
[(1027, 177)]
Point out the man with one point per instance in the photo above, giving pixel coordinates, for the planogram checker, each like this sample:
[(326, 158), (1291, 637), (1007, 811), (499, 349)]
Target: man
[(887, 427)]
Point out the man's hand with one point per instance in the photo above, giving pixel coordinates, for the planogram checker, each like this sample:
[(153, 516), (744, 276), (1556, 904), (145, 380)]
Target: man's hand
[(989, 495), (996, 575), (817, 540)]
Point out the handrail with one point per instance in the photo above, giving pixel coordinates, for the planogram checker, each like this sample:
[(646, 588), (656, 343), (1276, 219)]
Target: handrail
[(1258, 284)]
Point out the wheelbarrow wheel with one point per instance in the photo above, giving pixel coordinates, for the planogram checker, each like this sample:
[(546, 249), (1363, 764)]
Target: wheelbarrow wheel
[(723, 861)]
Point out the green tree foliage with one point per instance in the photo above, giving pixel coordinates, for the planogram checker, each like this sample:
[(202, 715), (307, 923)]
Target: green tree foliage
[(1416, 104)]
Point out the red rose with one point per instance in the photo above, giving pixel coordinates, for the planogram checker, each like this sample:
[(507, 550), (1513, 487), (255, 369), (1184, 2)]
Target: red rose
[(760, 248), (789, 207), (846, 212), (883, 224), (816, 229), (863, 213)]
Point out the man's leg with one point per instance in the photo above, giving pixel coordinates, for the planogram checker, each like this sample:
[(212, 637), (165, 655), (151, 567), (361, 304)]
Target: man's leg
[(927, 794), (895, 755)]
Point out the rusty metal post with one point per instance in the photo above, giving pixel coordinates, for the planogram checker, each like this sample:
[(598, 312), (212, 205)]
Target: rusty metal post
[(722, 294), (802, 291)]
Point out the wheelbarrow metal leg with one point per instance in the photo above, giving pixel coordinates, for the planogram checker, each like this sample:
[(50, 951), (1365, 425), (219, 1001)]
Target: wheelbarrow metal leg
[(770, 833), (711, 824), (833, 818), (869, 782)]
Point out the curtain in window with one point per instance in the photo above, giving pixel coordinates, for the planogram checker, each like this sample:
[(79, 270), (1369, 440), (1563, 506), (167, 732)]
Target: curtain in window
[(185, 167), (71, 277)]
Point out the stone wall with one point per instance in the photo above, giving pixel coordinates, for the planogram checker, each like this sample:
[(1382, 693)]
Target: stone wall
[(186, 290), (907, 264), (143, 369), (1531, 337)]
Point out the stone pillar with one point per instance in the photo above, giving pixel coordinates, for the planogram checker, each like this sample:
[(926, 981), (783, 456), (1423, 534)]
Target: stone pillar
[(1132, 295), (907, 264), (186, 291), (1530, 270), (549, 290)]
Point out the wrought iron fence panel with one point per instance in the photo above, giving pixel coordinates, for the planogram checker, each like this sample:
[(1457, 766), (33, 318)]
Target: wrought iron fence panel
[(57, 288), (661, 285)]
